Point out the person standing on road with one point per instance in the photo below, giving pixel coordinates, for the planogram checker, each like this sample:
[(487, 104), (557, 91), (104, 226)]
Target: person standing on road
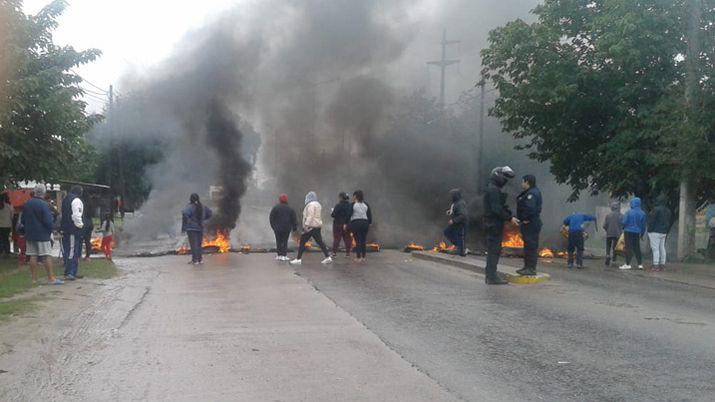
[(528, 211), (37, 223), (710, 223), (107, 228), (6, 214), (72, 226), (341, 218), (312, 224), (456, 232), (574, 223), (496, 215), (193, 218), (658, 226), (283, 221), (360, 221), (88, 229), (634, 226), (613, 226)]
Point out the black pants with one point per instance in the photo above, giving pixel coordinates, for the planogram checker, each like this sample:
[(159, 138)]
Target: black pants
[(5, 240), (457, 235), (87, 240), (282, 243), (611, 248), (633, 247), (195, 240), (317, 236), (341, 234), (359, 229), (495, 236), (530, 233), (711, 243), (576, 243)]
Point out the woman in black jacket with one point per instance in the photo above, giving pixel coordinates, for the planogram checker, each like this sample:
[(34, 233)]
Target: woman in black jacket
[(341, 218), (283, 221)]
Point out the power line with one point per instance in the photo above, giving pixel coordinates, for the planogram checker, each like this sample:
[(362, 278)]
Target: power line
[(443, 63), (90, 83), (93, 92)]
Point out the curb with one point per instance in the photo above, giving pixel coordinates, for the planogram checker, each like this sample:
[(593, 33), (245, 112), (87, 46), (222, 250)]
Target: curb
[(469, 264)]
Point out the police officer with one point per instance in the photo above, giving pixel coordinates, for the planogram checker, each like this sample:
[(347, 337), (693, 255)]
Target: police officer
[(496, 214), (528, 211)]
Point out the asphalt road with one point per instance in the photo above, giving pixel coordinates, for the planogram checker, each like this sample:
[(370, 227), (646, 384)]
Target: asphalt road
[(249, 328), (585, 335)]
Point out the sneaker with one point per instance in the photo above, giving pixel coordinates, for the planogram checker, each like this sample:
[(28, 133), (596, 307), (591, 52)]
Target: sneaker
[(570, 266), (279, 258), (579, 267), (296, 262), (57, 281), (526, 272), (640, 267), (495, 281), (70, 278), (327, 260), (653, 268), (195, 263), (624, 267), (79, 276)]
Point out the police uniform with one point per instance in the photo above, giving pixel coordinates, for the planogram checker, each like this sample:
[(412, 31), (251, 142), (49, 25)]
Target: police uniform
[(528, 211), (496, 214)]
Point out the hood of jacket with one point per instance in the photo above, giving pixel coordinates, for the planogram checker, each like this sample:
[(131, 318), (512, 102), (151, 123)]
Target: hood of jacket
[(636, 203), (615, 206), (310, 197), (661, 200), (456, 194)]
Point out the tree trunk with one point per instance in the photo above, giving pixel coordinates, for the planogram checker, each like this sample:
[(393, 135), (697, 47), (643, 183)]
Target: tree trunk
[(686, 215)]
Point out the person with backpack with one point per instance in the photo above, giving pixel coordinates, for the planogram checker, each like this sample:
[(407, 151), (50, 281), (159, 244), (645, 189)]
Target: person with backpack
[(283, 221), (312, 225), (193, 218), (456, 232), (342, 212), (634, 227), (659, 222), (614, 228)]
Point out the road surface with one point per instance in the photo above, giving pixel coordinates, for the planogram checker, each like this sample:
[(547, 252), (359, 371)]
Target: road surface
[(245, 327)]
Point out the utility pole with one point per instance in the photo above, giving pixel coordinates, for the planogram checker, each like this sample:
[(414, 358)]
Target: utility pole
[(443, 63), (686, 209), (480, 142), (110, 117)]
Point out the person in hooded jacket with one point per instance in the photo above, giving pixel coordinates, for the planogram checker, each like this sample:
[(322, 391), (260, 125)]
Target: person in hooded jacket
[(193, 218), (456, 232), (312, 224), (283, 221), (528, 211), (341, 218), (634, 227), (575, 223), (613, 226), (659, 222), (496, 215)]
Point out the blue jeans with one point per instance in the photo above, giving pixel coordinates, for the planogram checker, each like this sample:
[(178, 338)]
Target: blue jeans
[(457, 234), (71, 251), (195, 240)]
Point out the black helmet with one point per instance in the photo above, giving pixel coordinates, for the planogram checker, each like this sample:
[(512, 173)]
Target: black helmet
[(500, 175)]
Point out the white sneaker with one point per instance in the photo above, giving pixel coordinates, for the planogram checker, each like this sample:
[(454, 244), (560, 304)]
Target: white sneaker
[(296, 262), (279, 258), (624, 266), (640, 267), (282, 258), (327, 261)]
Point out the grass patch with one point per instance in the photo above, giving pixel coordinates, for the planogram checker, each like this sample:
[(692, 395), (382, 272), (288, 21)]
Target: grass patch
[(14, 281), (15, 307)]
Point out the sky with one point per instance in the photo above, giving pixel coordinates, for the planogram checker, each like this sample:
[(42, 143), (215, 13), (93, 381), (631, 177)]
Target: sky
[(133, 35)]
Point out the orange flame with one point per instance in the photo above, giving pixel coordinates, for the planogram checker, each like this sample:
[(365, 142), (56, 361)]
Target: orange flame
[(442, 246), (512, 239), (220, 241), (246, 248), (546, 253), (96, 244), (373, 246), (414, 247)]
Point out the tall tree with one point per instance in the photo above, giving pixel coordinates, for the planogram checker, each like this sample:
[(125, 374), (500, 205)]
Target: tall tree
[(42, 119), (598, 88)]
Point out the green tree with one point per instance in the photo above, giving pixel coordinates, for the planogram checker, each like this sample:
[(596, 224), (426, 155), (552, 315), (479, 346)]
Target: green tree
[(42, 119), (612, 93)]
